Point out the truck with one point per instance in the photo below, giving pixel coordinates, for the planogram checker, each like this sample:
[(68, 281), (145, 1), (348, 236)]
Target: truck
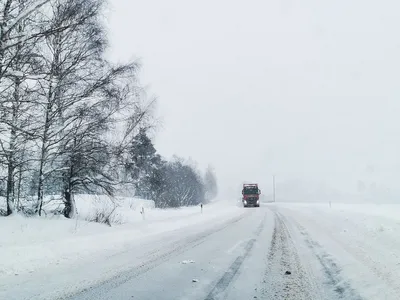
[(251, 195)]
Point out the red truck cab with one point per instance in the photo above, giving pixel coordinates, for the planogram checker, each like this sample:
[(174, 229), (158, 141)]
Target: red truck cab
[(251, 195)]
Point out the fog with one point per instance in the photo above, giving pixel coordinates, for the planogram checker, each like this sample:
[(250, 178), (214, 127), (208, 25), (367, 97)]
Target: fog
[(306, 90)]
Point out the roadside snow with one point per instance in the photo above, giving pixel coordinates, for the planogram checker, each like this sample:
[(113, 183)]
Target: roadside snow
[(122, 209), (361, 241), (29, 244)]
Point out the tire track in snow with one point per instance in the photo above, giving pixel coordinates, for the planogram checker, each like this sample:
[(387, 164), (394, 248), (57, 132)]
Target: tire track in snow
[(368, 254), (340, 288), (283, 257), (219, 289), (156, 258)]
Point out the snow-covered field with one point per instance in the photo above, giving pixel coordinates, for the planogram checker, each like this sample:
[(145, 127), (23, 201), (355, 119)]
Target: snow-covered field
[(29, 244), (359, 244)]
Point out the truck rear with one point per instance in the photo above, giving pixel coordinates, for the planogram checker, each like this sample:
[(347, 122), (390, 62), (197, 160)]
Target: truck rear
[(251, 195)]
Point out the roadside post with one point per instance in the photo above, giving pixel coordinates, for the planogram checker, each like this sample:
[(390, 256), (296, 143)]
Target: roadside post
[(142, 212)]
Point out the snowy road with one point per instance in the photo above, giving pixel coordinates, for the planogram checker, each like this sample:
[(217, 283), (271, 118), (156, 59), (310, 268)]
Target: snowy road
[(272, 252)]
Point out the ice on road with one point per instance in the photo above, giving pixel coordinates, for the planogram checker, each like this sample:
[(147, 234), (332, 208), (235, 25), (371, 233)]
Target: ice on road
[(277, 251)]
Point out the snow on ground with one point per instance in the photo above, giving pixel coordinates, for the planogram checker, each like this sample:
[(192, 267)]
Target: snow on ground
[(29, 244), (123, 209), (359, 242)]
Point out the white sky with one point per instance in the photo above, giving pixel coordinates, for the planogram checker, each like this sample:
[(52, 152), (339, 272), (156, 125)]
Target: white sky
[(308, 90)]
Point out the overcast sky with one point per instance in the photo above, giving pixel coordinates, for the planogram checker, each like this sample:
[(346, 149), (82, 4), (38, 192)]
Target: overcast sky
[(308, 90)]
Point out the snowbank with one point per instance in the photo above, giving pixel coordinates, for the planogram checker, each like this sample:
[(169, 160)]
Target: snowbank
[(28, 244)]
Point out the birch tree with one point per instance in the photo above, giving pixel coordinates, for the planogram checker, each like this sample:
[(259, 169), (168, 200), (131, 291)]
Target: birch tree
[(67, 115), (87, 153), (66, 55), (13, 15), (84, 97), (17, 37)]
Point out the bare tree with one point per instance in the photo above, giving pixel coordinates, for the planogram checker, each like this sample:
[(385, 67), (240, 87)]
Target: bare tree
[(86, 151), (70, 58), (67, 116), (16, 64), (13, 14), (84, 98)]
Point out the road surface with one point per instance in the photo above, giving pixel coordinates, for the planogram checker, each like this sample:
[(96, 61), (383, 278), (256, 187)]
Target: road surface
[(257, 254)]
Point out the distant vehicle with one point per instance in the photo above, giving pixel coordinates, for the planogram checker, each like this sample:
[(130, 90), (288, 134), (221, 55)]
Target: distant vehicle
[(251, 195)]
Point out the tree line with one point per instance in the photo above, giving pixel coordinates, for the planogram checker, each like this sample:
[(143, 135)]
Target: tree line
[(169, 183), (73, 122)]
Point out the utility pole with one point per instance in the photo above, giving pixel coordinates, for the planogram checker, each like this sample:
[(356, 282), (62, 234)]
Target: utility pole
[(273, 187)]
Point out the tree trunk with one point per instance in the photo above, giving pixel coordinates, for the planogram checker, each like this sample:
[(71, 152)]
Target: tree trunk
[(12, 148), (42, 158), (51, 96), (9, 197), (18, 205), (70, 208), (3, 34), (40, 189)]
